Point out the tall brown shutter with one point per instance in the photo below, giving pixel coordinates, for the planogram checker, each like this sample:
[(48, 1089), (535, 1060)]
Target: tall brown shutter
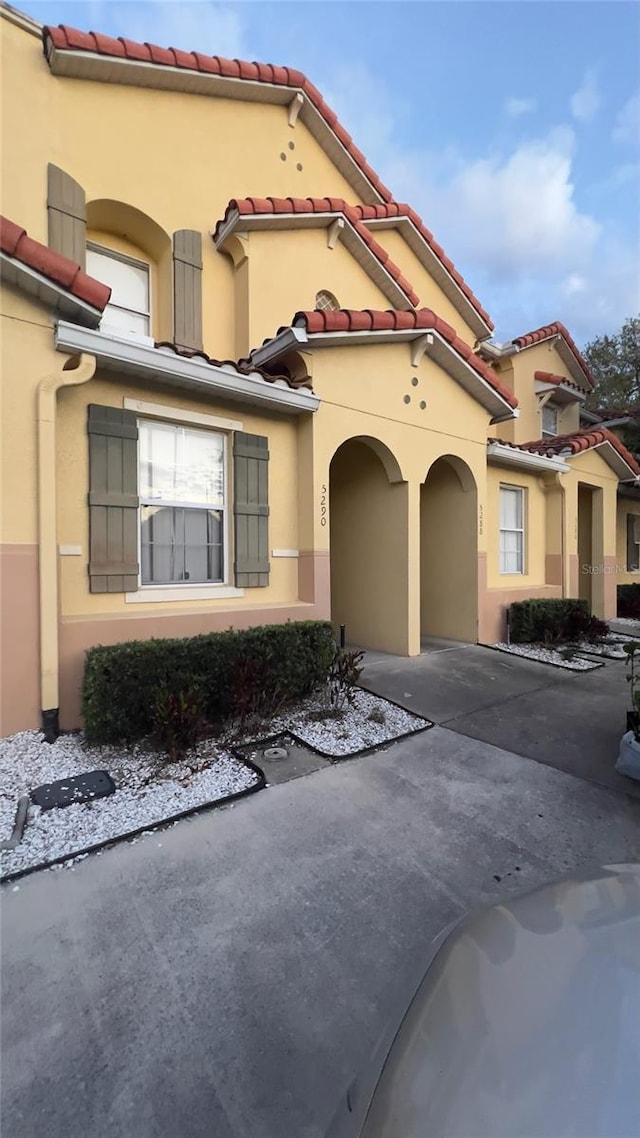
[(187, 289), (633, 540), (251, 509), (67, 213), (113, 500)]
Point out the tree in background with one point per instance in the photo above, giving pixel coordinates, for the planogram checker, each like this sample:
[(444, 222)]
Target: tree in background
[(615, 365)]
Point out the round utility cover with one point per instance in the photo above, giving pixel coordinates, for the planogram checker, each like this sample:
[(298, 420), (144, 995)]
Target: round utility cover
[(275, 753)]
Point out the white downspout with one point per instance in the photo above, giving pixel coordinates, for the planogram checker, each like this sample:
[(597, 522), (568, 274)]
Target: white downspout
[(77, 370)]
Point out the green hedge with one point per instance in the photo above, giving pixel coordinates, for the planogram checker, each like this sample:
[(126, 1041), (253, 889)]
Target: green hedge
[(256, 668), (629, 601), (547, 621)]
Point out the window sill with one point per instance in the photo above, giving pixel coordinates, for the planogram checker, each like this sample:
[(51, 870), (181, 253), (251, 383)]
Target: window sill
[(170, 593)]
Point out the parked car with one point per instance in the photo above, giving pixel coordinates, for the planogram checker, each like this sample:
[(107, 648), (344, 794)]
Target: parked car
[(525, 1025)]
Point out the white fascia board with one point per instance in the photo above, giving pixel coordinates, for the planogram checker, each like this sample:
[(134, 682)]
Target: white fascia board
[(163, 365), (290, 339), (48, 292), (87, 65), (505, 455), (437, 270), (612, 458), (570, 393)]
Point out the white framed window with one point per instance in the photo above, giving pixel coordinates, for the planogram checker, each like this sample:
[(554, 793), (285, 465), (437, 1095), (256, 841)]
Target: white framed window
[(512, 516), (549, 420), (326, 301), (633, 543), (182, 488), (129, 308)]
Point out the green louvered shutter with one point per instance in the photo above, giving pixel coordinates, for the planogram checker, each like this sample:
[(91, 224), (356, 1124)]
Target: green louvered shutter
[(251, 509), (113, 500), (633, 540), (67, 214), (187, 289)]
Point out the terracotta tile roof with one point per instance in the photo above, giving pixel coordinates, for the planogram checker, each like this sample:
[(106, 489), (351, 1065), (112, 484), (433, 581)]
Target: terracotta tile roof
[(64, 38), (575, 444), (556, 380), (242, 367), (545, 333), (15, 243), (422, 319), (400, 210), (275, 206)]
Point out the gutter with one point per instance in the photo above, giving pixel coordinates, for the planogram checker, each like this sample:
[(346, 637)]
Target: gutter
[(128, 356), (527, 460), (55, 296), (77, 370)]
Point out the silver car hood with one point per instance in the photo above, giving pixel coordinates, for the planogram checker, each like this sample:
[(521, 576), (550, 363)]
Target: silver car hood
[(527, 1023)]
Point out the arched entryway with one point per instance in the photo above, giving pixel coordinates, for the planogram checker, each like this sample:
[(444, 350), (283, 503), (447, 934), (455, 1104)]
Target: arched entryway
[(368, 544), (449, 552)]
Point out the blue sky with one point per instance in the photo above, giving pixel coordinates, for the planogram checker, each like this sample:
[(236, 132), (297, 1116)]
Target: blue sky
[(512, 127)]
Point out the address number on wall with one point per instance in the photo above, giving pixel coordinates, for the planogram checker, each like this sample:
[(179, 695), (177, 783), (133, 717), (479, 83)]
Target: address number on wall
[(323, 506), (481, 519)]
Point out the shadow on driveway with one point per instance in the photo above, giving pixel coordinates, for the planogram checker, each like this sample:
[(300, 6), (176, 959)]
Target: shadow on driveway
[(572, 721)]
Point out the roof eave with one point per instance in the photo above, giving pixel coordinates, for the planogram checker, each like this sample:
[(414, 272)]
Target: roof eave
[(504, 455), (54, 296), (568, 394), (610, 455), (68, 63), (126, 356)]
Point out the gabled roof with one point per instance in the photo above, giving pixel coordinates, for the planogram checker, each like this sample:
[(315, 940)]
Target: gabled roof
[(286, 213), (567, 391), (36, 268), (227, 77), (426, 331), (399, 215), (573, 357), (575, 444)]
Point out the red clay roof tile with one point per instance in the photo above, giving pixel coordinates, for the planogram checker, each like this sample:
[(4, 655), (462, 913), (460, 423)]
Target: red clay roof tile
[(242, 367), (575, 444), (549, 377), (15, 242), (545, 333), (346, 320)]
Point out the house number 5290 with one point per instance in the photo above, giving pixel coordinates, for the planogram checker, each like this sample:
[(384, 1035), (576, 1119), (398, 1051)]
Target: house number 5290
[(323, 506), (480, 519)]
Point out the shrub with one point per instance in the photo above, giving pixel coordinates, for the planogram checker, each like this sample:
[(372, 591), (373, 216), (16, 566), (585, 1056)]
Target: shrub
[(178, 720), (343, 676), (121, 682), (549, 620), (629, 601)]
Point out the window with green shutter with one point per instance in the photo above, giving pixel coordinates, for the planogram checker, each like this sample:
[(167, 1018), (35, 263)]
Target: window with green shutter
[(251, 509), (113, 500), (67, 215), (187, 289)]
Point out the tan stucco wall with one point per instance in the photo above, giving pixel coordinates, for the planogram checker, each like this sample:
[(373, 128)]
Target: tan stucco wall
[(428, 290), (528, 426)]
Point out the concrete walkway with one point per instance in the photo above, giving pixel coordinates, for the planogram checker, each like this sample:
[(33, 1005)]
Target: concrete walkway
[(226, 978), (569, 720)]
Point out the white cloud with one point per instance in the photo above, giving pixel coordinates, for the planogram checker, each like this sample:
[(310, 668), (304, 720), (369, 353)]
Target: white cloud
[(515, 107), (585, 102), (627, 127)]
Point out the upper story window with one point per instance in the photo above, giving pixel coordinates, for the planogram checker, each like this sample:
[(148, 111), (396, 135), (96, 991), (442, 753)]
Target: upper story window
[(512, 529), (549, 420), (129, 309), (182, 504), (326, 301), (633, 543)]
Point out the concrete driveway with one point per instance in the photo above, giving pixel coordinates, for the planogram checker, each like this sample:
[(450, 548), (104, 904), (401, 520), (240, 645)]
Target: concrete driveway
[(570, 720), (226, 978)]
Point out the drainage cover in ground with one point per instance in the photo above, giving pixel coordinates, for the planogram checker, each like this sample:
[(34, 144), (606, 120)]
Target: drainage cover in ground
[(66, 791), (284, 759)]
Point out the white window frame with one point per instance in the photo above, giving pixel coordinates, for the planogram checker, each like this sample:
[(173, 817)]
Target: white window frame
[(549, 406), (522, 492), (184, 591), (633, 568), (105, 251)]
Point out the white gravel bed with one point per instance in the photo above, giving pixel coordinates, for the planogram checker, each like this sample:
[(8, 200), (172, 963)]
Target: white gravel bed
[(548, 656), (355, 730), (609, 648), (150, 790)]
